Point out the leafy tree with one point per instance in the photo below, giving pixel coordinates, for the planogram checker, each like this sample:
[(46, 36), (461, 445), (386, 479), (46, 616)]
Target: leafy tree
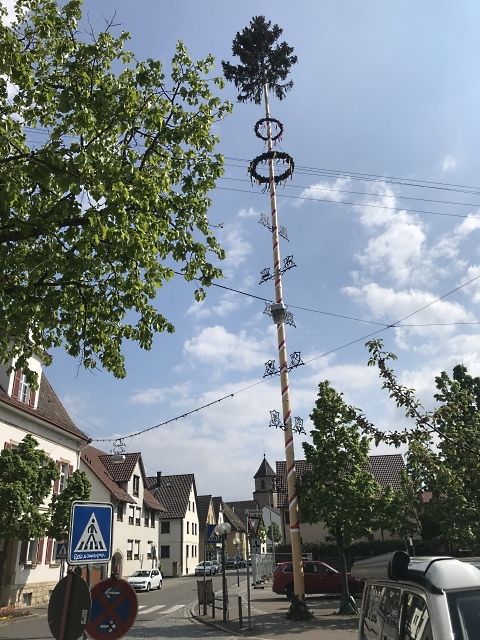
[(27, 476), (110, 193), (263, 62), (274, 533), (338, 489), (444, 447)]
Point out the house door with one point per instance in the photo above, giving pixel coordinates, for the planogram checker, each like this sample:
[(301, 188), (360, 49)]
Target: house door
[(117, 561)]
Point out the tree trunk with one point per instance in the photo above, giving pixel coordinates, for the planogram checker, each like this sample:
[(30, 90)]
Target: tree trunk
[(343, 563), (4, 577)]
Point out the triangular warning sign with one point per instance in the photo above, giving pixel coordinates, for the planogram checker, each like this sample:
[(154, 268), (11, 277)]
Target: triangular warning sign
[(91, 539), (254, 524), (62, 553)]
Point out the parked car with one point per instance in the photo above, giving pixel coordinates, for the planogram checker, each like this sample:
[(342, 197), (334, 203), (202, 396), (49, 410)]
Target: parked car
[(436, 598), (242, 563), (146, 579), (207, 568), (216, 565), (231, 563), (319, 578)]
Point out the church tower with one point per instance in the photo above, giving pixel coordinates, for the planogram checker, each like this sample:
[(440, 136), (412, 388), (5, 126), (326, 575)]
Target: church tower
[(264, 492)]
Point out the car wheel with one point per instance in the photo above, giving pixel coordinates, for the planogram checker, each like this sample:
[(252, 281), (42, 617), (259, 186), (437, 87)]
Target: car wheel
[(159, 585), (289, 591), (148, 586)]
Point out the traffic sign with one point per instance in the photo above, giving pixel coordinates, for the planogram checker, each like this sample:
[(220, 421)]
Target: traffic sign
[(212, 537), (256, 513), (90, 538), (114, 609), (256, 545), (69, 608), (61, 551), (254, 524)]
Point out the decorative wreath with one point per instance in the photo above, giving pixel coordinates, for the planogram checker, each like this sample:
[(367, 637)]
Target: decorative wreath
[(271, 120), (265, 157)]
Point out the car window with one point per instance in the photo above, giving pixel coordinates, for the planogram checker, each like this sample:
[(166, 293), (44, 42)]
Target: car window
[(465, 613), (320, 568), (417, 619), (308, 568), (372, 622), (390, 612), (289, 568), (141, 574)]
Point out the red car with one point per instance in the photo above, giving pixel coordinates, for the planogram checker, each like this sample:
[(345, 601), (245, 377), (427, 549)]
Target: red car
[(319, 578)]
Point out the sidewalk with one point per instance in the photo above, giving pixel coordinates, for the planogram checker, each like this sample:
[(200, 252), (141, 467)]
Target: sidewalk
[(269, 617)]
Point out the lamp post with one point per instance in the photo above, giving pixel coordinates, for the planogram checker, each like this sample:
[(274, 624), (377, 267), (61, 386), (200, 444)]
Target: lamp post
[(236, 542), (223, 529)]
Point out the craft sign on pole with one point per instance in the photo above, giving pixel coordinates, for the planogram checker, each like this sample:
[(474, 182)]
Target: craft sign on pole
[(90, 539), (114, 609)]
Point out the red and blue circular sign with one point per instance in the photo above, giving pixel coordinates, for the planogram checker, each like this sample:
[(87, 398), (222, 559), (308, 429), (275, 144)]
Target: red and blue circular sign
[(114, 609)]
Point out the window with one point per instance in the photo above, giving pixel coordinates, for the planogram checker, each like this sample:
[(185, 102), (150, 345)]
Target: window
[(138, 514), (147, 517), (186, 547), (28, 551), (193, 506), (120, 512), (165, 551), (165, 528), (149, 549), (131, 517), (188, 527), (417, 622), (136, 485), (152, 519), (262, 485), (136, 555), (27, 599), (23, 389), (129, 549), (62, 483), (287, 517)]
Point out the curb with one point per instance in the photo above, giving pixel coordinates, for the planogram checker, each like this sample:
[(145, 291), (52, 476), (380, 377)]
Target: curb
[(22, 619)]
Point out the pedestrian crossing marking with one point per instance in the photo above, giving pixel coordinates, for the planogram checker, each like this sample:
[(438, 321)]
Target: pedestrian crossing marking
[(158, 606), (176, 607), (91, 539)]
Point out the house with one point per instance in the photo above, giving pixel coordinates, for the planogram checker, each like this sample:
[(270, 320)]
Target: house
[(238, 532), (206, 516), (31, 569), (178, 539), (136, 511), (386, 470)]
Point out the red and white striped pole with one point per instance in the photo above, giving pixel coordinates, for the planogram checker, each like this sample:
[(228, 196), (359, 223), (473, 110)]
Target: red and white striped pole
[(283, 359)]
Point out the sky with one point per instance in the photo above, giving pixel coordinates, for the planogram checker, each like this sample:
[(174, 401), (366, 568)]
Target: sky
[(387, 90)]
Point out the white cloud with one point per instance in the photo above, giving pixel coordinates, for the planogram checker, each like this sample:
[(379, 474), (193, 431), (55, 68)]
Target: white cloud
[(471, 223), (248, 213), (9, 5), (326, 191), (174, 395), (215, 345), (448, 164)]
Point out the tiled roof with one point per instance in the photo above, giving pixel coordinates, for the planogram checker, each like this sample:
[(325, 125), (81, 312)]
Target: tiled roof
[(264, 470), (173, 493), (92, 458), (231, 517), (386, 471), (151, 502), (203, 505), (240, 506), (120, 472), (49, 408)]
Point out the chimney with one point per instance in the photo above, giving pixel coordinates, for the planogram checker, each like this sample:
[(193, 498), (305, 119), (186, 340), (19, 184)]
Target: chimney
[(159, 479)]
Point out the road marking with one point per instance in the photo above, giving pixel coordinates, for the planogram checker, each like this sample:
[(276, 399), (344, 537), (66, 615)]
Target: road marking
[(158, 606), (142, 606), (174, 608)]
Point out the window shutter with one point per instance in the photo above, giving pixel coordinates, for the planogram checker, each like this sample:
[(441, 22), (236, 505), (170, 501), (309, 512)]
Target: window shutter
[(8, 445), (23, 552), (31, 399), (40, 551), (56, 486), (48, 556), (16, 383), (70, 469)]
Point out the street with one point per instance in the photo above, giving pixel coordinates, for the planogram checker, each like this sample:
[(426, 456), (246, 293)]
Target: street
[(161, 613)]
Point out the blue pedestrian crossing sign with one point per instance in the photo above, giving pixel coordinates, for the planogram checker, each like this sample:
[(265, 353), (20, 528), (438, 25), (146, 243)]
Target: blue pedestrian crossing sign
[(61, 551), (212, 537), (90, 539)]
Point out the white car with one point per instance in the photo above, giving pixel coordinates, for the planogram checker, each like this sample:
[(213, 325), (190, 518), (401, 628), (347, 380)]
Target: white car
[(146, 579), (208, 569)]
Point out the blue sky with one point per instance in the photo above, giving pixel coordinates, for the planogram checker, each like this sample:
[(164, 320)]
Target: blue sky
[(386, 89)]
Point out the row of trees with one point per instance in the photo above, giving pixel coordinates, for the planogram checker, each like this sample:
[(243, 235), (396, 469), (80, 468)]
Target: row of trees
[(27, 478), (440, 487)]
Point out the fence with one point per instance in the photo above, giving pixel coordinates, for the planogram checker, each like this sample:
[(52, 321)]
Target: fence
[(263, 565)]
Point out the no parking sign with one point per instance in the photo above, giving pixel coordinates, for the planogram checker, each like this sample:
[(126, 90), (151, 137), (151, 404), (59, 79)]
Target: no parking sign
[(114, 609)]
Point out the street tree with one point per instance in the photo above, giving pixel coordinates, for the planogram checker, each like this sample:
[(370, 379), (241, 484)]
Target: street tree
[(105, 168), (274, 533), (27, 476), (337, 488)]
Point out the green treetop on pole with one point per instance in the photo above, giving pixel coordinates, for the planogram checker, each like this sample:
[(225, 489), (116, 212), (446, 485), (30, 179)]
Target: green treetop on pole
[(262, 61)]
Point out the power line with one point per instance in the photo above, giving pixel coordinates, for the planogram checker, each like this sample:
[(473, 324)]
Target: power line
[(255, 384)]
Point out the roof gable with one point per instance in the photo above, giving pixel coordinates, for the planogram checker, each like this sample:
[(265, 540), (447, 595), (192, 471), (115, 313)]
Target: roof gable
[(241, 506), (264, 470), (173, 493)]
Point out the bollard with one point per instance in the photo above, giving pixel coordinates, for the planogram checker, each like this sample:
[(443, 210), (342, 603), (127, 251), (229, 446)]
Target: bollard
[(213, 605), (240, 617)]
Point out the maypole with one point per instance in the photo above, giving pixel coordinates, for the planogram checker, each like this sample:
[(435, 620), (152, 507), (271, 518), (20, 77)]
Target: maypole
[(264, 63)]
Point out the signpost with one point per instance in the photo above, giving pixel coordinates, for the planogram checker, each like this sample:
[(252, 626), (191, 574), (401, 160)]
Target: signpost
[(114, 609), (90, 539), (69, 608)]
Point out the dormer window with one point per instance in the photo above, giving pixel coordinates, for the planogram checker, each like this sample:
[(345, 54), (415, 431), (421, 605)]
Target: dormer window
[(23, 389)]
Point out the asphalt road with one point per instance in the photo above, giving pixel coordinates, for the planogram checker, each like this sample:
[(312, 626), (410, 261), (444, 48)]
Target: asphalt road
[(162, 605)]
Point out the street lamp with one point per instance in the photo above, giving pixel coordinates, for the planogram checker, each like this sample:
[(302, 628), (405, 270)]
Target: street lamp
[(223, 529), (236, 542)]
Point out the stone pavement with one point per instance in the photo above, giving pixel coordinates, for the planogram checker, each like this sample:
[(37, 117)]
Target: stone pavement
[(269, 620)]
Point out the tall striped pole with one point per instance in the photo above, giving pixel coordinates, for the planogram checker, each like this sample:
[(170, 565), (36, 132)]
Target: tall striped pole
[(285, 387)]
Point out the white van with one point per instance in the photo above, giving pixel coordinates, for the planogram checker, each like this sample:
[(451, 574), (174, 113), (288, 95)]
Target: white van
[(431, 598)]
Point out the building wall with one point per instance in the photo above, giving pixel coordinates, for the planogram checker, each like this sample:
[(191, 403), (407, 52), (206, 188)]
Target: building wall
[(191, 532), (173, 540)]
